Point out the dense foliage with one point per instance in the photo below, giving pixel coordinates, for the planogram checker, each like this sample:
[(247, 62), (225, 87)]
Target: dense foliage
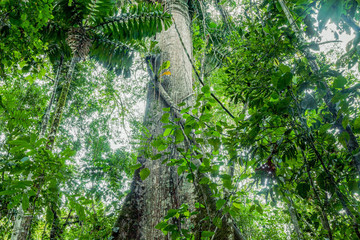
[(275, 124)]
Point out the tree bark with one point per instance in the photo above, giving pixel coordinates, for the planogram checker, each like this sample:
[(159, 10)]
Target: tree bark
[(56, 229), (23, 219), (149, 200), (22, 222), (294, 219), (46, 117), (61, 103)]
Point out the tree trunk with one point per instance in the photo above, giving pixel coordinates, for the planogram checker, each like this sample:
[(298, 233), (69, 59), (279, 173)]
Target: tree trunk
[(46, 117), (294, 219), (61, 103), (22, 222), (23, 219), (149, 200), (56, 229)]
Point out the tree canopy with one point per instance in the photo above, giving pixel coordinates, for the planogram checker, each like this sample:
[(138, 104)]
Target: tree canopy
[(272, 136)]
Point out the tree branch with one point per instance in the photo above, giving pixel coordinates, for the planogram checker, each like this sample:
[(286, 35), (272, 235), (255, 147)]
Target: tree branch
[(351, 23), (352, 144)]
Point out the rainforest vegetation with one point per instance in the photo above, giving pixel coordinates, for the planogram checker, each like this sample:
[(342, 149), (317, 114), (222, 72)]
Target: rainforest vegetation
[(179, 119)]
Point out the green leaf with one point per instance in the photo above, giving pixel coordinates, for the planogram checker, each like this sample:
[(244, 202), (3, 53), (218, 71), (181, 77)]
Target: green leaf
[(167, 132), (179, 137), (9, 192), (220, 203), (303, 189), (156, 156), (165, 118), (144, 173), (339, 82), (228, 184), (345, 121), (325, 127), (181, 169), (161, 225), (259, 209), (204, 180), (25, 202), (324, 182), (49, 215), (353, 186), (207, 234), (21, 184), (136, 166), (31, 193), (284, 81), (344, 137), (357, 123), (181, 104), (284, 69), (252, 208), (171, 213), (237, 205), (162, 147), (164, 65), (274, 96), (205, 89), (80, 210)]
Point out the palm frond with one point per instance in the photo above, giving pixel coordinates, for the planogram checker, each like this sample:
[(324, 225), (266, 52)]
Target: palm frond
[(69, 14), (54, 35), (99, 9), (136, 22), (113, 55)]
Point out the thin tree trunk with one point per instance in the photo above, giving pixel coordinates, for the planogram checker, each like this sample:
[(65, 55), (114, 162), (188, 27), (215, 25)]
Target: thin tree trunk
[(56, 230), (21, 225), (61, 103), (324, 217), (23, 220), (224, 14), (294, 219), (46, 117)]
